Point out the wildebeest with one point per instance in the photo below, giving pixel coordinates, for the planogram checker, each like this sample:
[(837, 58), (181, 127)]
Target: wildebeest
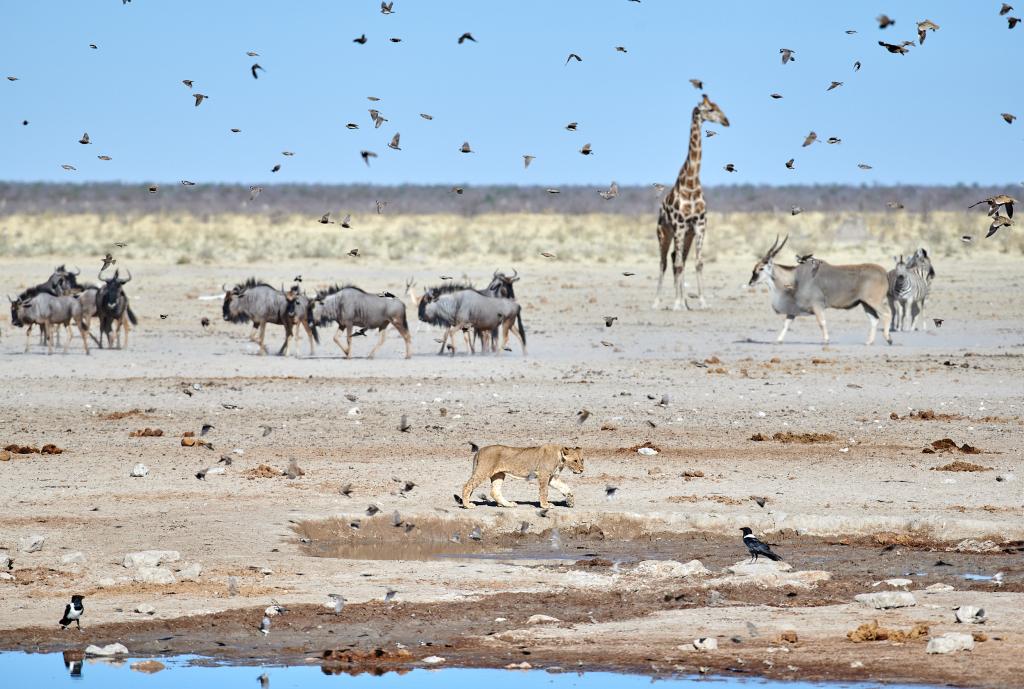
[(260, 303), (351, 307), (113, 309), (458, 306), (501, 286), (815, 285), (909, 284), (49, 312)]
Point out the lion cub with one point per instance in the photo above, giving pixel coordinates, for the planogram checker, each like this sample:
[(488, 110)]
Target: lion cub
[(495, 462)]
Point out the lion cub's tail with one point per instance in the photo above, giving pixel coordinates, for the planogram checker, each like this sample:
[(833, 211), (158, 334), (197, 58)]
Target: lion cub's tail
[(475, 449)]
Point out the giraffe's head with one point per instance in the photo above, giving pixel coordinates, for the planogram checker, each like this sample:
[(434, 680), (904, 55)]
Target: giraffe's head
[(710, 112)]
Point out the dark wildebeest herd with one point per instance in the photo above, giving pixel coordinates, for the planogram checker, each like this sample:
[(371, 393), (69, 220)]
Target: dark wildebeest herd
[(486, 314), (61, 301)]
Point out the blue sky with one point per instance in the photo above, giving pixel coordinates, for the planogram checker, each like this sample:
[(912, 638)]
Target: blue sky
[(930, 117)]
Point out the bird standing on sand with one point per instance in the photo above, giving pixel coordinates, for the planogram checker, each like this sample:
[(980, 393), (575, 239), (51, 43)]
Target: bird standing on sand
[(73, 612), (757, 547)]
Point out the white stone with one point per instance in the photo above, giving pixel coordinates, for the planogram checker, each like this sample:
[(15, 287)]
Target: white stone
[(895, 583), (75, 557), (542, 619), (108, 650), (106, 583), (139, 470), (5, 563), (746, 568), (939, 588), (500, 619), (970, 545), (706, 643), (150, 558), (145, 609), (433, 660), (647, 451), (950, 642), (31, 544), (969, 614), (670, 568), (886, 599), (190, 572), (154, 575)]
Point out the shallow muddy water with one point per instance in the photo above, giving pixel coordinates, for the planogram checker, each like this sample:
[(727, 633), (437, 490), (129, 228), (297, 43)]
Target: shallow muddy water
[(49, 670)]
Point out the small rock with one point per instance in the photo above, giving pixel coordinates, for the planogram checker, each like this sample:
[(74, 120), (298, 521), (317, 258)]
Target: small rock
[(647, 451), (5, 456), (895, 583), (886, 599), (433, 660), (542, 619), (145, 609), (950, 642), (73, 558), (108, 650), (969, 545), (500, 619), (705, 643), (31, 544), (519, 666), (856, 664), (150, 558), (670, 568), (939, 588), (154, 575), (968, 614), (107, 583), (147, 666), (5, 563), (789, 636), (747, 568), (190, 572), (6, 576), (139, 470)]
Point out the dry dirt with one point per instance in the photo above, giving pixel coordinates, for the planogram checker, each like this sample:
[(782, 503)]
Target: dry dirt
[(851, 492)]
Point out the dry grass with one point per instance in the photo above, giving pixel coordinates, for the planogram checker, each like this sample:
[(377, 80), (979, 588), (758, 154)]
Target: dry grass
[(588, 238)]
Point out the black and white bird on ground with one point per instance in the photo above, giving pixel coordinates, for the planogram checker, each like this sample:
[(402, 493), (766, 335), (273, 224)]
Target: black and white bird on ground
[(757, 547), (339, 602), (73, 612)]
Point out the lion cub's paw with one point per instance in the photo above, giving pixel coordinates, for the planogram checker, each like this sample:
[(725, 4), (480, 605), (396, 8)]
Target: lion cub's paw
[(570, 500)]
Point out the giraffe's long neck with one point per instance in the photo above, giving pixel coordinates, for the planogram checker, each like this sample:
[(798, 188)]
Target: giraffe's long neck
[(688, 181)]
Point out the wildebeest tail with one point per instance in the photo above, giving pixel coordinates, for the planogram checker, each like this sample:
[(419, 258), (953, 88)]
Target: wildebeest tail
[(131, 316), (519, 321)]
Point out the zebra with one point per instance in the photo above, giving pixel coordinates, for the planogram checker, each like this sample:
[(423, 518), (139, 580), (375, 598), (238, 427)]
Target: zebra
[(909, 284)]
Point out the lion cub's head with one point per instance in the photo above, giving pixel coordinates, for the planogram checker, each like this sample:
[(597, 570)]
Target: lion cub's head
[(572, 457)]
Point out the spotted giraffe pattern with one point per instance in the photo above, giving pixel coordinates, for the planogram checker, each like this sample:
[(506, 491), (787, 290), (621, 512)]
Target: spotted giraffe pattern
[(681, 221)]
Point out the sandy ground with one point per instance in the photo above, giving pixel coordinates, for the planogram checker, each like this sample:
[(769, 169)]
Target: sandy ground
[(863, 506)]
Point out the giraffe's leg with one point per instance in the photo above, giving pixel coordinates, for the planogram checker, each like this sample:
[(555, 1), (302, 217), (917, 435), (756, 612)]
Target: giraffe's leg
[(665, 239), (679, 265), (699, 227)]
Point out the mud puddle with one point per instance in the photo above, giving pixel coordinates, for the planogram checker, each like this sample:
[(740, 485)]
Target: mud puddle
[(53, 670), (621, 543)]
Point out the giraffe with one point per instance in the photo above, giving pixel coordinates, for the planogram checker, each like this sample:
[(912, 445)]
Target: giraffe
[(681, 220)]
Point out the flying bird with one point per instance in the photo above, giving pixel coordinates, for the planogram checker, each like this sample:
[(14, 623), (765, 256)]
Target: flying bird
[(387, 7), (108, 261), (403, 424), (187, 183), (1012, 21), (582, 415), (464, 148), (395, 40), (256, 66), (527, 159), (347, 222), (466, 37), (361, 40), (199, 98), (611, 193), (573, 56), (923, 28), (998, 221), (586, 150), (394, 142), (729, 167), (833, 140), (621, 49), (884, 22), (93, 46), (757, 547), (610, 491), (84, 139), (426, 116), (377, 118), (104, 157), (276, 168), (894, 49), (789, 163), (1009, 117), (710, 133), (235, 130), (938, 322), (254, 191), (608, 320), (810, 139), (863, 166), (834, 85), (787, 55), (325, 219), (381, 205), (366, 156), (354, 252), (856, 66), (776, 96), (187, 82), (796, 210), (73, 612), (697, 84), (994, 203), (1005, 9), (572, 126), (548, 254)]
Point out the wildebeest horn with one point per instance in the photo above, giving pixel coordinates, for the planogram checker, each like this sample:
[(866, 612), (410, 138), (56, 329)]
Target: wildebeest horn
[(77, 272), (223, 287), (515, 275), (129, 276), (99, 276)]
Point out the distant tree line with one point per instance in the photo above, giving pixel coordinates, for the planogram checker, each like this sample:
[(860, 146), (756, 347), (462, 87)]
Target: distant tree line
[(316, 199)]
